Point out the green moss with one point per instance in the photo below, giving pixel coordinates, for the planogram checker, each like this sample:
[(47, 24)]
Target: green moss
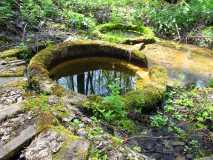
[(19, 84), (11, 52), (127, 34), (150, 91), (16, 72), (68, 139)]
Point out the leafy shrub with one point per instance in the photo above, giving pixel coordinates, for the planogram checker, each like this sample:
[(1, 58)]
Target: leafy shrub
[(171, 20), (110, 108), (35, 11), (159, 120), (5, 10), (79, 21)]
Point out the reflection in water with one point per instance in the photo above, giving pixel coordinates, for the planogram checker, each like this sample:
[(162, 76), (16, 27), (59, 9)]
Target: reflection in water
[(186, 65), (97, 81)]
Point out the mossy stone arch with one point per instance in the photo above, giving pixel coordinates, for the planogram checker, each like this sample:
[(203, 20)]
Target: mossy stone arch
[(143, 34), (45, 60), (151, 87)]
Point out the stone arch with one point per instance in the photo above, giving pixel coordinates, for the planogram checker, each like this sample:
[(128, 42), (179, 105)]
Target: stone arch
[(42, 62)]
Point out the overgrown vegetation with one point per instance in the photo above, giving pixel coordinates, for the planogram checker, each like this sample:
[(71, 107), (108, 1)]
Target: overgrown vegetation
[(168, 20), (110, 108)]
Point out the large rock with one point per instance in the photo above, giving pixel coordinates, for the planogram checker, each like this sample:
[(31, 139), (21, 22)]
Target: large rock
[(15, 145), (9, 111), (44, 146), (149, 91)]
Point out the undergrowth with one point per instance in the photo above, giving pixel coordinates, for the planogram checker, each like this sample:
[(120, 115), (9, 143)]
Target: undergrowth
[(110, 108)]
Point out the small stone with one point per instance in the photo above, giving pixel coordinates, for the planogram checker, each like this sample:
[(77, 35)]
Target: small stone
[(19, 99), (81, 132), (86, 120)]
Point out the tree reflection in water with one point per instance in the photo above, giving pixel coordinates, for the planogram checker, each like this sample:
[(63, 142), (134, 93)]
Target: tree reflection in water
[(97, 82)]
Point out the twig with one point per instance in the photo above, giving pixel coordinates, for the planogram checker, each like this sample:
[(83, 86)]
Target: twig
[(178, 31)]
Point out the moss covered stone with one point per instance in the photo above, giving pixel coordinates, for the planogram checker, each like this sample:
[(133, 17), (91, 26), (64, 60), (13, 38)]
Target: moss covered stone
[(11, 52), (150, 87), (17, 71), (45, 60), (134, 34), (149, 92)]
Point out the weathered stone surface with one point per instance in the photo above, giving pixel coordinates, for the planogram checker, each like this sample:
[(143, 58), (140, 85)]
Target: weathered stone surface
[(73, 99), (7, 80), (78, 150), (11, 127), (15, 145), (81, 132), (10, 95), (44, 146), (12, 68), (9, 111), (11, 52)]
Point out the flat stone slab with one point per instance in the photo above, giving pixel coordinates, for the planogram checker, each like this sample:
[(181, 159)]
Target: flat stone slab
[(14, 146), (9, 111), (5, 80)]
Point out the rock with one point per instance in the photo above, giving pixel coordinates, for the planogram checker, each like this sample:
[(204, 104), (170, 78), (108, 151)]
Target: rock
[(10, 95), (9, 111), (15, 145), (52, 100), (74, 99), (78, 150), (115, 155), (86, 120), (81, 132), (11, 127), (43, 146), (149, 93), (3, 62)]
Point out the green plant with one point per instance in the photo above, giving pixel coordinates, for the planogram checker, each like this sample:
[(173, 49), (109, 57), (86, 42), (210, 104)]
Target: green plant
[(210, 83), (79, 21), (38, 103), (36, 11), (173, 20), (6, 11), (110, 108), (159, 120), (185, 101)]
